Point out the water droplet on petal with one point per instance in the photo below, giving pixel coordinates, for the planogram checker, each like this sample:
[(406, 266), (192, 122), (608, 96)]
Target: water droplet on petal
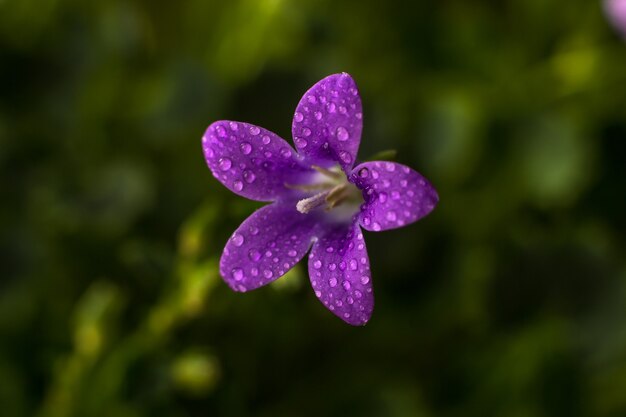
[(225, 164), (234, 126), (346, 285), (317, 264), (292, 253), (364, 173), (254, 271), (266, 140), (267, 273), (391, 216), (306, 132), (312, 99), (237, 239), (246, 148), (390, 167), (359, 115), (376, 227), (298, 117), (353, 264), (331, 107), (237, 274), (301, 143), (330, 249), (318, 293), (254, 254), (395, 195), (342, 134), (254, 130), (403, 183), (345, 157), (382, 197), (318, 115), (285, 152), (254, 231), (364, 280), (238, 185), (332, 266), (332, 282), (249, 176)]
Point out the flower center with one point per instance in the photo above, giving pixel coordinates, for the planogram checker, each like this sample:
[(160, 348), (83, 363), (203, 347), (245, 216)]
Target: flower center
[(332, 190)]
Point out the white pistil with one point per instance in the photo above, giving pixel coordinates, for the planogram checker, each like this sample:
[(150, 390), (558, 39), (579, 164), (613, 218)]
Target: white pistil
[(307, 204)]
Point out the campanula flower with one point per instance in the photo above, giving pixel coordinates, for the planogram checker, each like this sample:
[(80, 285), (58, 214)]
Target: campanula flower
[(319, 200), (616, 12)]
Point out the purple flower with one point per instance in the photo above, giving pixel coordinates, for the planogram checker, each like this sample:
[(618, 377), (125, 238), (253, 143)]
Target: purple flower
[(319, 200), (616, 12)]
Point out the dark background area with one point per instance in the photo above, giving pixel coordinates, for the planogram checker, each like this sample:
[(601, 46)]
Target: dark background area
[(508, 300)]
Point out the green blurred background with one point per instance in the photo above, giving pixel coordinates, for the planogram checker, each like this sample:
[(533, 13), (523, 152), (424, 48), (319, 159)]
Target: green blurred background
[(508, 300)]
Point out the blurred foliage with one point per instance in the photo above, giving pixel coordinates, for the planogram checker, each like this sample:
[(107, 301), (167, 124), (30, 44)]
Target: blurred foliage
[(509, 300)]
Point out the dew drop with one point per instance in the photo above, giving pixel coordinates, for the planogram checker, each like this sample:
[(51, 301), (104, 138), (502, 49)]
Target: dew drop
[(267, 273), (390, 167), (254, 254), (358, 294), (254, 231), (312, 99), (346, 285), (254, 130), (330, 249), (318, 115), (342, 109), (345, 157), (331, 107), (221, 132), (363, 261), (268, 154), (386, 183), (342, 134), (395, 195), (266, 140), (353, 264), (298, 117), (403, 183), (318, 293), (359, 115), (301, 143), (342, 265), (364, 173), (391, 216), (286, 153), (317, 264), (376, 227), (332, 282), (237, 274), (254, 272), (245, 148), (306, 132), (237, 239), (350, 300), (364, 280), (238, 185), (382, 197), (332, 266), (249, 176), (292, 253), (234, 126), (225, 164)]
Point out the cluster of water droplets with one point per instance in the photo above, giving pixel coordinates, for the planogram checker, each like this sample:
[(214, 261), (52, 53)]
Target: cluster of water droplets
[(395, 195), (264, 248), (328, 116), (340, 275), (240, 155)]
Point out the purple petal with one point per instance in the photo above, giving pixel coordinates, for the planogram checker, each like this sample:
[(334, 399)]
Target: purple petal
[(327, 122), (266, 245), (339, 270), (251, 161), (395, 195)]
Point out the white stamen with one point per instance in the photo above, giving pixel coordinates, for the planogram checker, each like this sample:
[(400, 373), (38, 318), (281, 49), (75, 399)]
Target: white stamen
[(306, 205)]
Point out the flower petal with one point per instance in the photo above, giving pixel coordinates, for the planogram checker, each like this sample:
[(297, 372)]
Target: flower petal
[(395, 195), (266, 245), (328, 121), (340, 274), (251, 161)]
